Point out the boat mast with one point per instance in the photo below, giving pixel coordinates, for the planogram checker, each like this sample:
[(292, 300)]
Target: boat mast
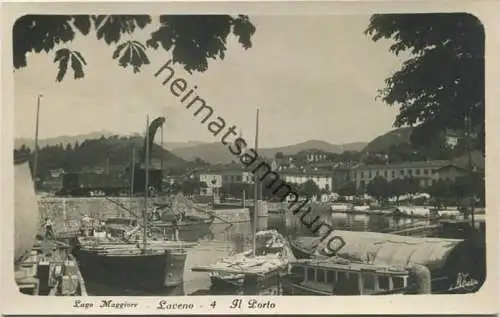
[(146, 188), (35, 151), (256, 194), (132, 173), (161, 161), (472, 197), (132, 179)]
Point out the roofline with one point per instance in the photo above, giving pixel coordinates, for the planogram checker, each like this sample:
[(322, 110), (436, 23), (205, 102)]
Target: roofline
[(429, 164)]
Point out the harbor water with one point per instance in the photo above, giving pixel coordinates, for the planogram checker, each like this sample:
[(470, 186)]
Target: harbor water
[(224, 239)]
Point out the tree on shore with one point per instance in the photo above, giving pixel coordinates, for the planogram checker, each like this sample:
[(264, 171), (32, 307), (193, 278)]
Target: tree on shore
[(440, 192), (348, 190), (190, 40), (379, 188), (308, 189), (442, 83)]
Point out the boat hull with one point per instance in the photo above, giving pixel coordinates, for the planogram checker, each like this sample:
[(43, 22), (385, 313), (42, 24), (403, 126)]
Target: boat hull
[(135, 271), (268, 285), (190, 231), (221, 281), (290, 288), (302, 251)]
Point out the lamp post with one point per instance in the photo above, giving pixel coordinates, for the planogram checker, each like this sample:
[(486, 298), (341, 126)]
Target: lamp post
[(35, 152)]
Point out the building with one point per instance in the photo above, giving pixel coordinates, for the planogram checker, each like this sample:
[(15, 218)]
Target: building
[(323, 179), (426, 172), (56, 173), (341, 177), (451, 141), (236, 176), (81, 184), (212, 180), (312, 155), (451, 172)]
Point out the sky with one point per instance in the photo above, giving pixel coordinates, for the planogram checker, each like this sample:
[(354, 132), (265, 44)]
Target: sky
[(312, 77)]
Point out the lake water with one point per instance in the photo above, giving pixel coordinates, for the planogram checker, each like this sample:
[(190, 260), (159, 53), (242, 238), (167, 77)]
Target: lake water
[(224, 240)]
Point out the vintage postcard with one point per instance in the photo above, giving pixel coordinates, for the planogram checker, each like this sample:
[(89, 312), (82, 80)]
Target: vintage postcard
[(228, 158)]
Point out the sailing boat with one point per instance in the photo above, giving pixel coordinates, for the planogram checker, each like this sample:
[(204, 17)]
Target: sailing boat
[(269, 256), (164, 219), (143, 264)]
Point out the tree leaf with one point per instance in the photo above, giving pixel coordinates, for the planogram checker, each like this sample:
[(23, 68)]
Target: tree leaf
[(119, 49), (82, 23), (77, 66), (190, 39), (61, 53), (80, 57), (125, 59), (98, 20), (143, 56), (243, 29), (62, 57), (142, 20), (137, 43)]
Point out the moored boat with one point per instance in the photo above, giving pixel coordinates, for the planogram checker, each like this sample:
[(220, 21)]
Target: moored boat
[(50, 270), (133, 260), (42, 266), (445, 258), (303, 246), (132, 267), (337, 276), (272, 253), (190, 228)]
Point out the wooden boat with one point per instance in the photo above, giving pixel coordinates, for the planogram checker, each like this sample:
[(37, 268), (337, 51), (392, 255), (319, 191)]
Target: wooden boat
[(140, 263), (231, 274), (191, 228), (337, 276), (446, 258), (50, 270), (272, 253), (194, 223), (42, 267), (132, 267), (303, 246)]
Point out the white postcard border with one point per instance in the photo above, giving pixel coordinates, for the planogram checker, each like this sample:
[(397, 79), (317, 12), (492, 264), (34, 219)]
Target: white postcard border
[(484, 301)]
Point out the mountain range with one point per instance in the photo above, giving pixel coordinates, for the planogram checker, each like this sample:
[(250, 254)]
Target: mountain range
[(393, 137), (218, 153), (209, 152)]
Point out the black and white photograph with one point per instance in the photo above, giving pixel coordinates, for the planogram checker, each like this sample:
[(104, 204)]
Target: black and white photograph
[(175, 155)]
